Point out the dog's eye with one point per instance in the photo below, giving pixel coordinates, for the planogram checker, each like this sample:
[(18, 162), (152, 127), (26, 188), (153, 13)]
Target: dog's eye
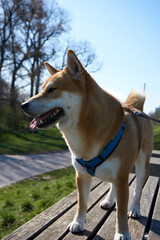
[(52, 89)]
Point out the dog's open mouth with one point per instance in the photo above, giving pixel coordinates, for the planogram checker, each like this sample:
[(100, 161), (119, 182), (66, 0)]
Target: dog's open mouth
[(47, 119)]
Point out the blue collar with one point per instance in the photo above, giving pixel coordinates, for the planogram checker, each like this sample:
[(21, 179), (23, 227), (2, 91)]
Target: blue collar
[(95, 162)]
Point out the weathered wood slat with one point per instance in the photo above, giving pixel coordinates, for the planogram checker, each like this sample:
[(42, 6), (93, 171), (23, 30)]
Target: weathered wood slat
[(154, 167), (108, 229), (44, 219), (61, 225), (94, 217), (155, 224), (137, 226)]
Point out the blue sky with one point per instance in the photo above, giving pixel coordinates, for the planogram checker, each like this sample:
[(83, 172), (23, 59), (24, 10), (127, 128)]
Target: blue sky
[(126, 37)]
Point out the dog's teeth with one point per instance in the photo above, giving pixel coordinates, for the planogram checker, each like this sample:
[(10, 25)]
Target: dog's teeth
[(57, 110)]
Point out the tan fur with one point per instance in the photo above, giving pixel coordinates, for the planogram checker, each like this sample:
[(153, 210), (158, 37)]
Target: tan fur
[(110, 113), (90, 126), (136, 100)]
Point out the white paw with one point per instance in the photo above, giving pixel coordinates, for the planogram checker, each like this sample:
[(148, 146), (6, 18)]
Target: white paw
[(75, 227), (134, 212), (119, 236), (106, 204)]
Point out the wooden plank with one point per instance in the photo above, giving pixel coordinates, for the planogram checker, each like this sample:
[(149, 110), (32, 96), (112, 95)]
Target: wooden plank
[(154, 167), (61, 225), (107, 231), (137, 226), (45, 218), (93, 219), (155, 224), (155, 160), (156, 153)]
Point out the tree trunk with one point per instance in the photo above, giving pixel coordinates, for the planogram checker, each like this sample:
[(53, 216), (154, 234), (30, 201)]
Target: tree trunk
[(12, 90), (32, 77), (32, 84), (13, 99), (38, 78)]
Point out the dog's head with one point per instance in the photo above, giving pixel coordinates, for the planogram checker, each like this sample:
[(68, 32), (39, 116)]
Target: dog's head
[(60, 98)]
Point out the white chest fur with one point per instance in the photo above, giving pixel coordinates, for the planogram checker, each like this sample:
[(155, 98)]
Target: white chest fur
[(107, 171)]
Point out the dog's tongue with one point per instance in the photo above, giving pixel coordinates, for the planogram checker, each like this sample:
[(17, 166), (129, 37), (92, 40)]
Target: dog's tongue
[(34, 123)]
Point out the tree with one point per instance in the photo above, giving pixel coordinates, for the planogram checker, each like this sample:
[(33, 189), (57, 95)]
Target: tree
[(4, 91), (155, 114), (45, 38), (85, 53), (12, 55), (7, 11), (43, 26), (30, 34)]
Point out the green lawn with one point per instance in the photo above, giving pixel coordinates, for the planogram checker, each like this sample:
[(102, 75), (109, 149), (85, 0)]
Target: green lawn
[(22, 201), (156, 137), (26, 142)]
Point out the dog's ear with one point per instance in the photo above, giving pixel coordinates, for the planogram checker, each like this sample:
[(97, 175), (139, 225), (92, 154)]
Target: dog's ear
[(73, 64), (51, 69)]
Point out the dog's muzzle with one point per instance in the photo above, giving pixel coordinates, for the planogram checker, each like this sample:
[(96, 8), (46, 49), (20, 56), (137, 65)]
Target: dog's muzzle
[(24, 106), (44, 120)]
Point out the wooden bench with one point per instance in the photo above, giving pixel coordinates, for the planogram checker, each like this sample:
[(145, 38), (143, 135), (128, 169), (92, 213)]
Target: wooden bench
[(52, 223)]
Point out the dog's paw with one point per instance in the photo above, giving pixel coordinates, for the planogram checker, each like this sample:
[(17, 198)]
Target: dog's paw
[(76, 227), (105, 204), (119, 236), (134, 212)]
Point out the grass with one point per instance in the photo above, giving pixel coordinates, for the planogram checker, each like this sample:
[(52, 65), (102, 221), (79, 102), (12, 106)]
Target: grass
[(27, 142), (22, 201), (156, 130)]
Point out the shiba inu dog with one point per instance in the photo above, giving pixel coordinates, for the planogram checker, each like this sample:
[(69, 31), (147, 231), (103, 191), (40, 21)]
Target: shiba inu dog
[(90, 119)]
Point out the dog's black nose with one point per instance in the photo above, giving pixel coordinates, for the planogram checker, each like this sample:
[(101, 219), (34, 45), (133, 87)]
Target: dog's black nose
[(24, 106)]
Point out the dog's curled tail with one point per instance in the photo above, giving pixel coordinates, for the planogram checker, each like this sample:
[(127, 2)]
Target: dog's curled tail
[(136, 100)]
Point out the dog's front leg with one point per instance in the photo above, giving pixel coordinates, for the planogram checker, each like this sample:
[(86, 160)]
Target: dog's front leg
[(83, 187), (122, 192)]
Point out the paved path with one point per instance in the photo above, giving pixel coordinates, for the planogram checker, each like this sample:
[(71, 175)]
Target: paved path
[(14, 168)]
